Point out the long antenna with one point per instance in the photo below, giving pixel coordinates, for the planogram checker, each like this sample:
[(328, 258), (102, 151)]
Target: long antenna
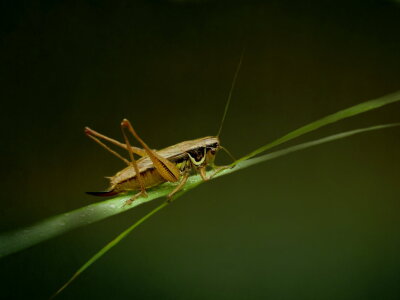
[(230, 92)]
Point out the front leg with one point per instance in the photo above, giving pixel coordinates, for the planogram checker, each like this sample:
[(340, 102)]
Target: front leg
[(203, 174), (219, 169), (216, 169)]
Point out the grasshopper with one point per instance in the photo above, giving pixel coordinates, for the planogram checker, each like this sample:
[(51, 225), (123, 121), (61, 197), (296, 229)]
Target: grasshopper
[(171, 164)]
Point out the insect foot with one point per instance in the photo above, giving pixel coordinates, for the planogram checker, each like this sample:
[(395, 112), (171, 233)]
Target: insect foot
[(134, 197)]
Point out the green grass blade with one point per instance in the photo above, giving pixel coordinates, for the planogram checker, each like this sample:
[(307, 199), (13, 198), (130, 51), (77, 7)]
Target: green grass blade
[(108, 247), (340, 115), (11, 242), (17, 240), (331, 138), (241, 165), (28, 236)]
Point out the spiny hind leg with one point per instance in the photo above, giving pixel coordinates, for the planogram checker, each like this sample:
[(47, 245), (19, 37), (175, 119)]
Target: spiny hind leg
[(139, 178), (96, 136), (165, 168)]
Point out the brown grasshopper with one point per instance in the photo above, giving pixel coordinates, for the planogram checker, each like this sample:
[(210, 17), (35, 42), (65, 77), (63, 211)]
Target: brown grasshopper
[(171, 164)]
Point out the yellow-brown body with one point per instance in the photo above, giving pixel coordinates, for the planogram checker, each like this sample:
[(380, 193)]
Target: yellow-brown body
[(186, 156)]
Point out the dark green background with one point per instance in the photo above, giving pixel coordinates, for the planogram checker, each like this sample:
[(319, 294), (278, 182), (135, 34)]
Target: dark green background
[(319, 224)]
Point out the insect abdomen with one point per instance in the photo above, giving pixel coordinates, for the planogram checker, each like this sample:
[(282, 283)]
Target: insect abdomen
[(150, 178)]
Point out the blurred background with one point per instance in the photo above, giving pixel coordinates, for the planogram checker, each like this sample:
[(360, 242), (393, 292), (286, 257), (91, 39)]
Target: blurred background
[(318, 224)]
